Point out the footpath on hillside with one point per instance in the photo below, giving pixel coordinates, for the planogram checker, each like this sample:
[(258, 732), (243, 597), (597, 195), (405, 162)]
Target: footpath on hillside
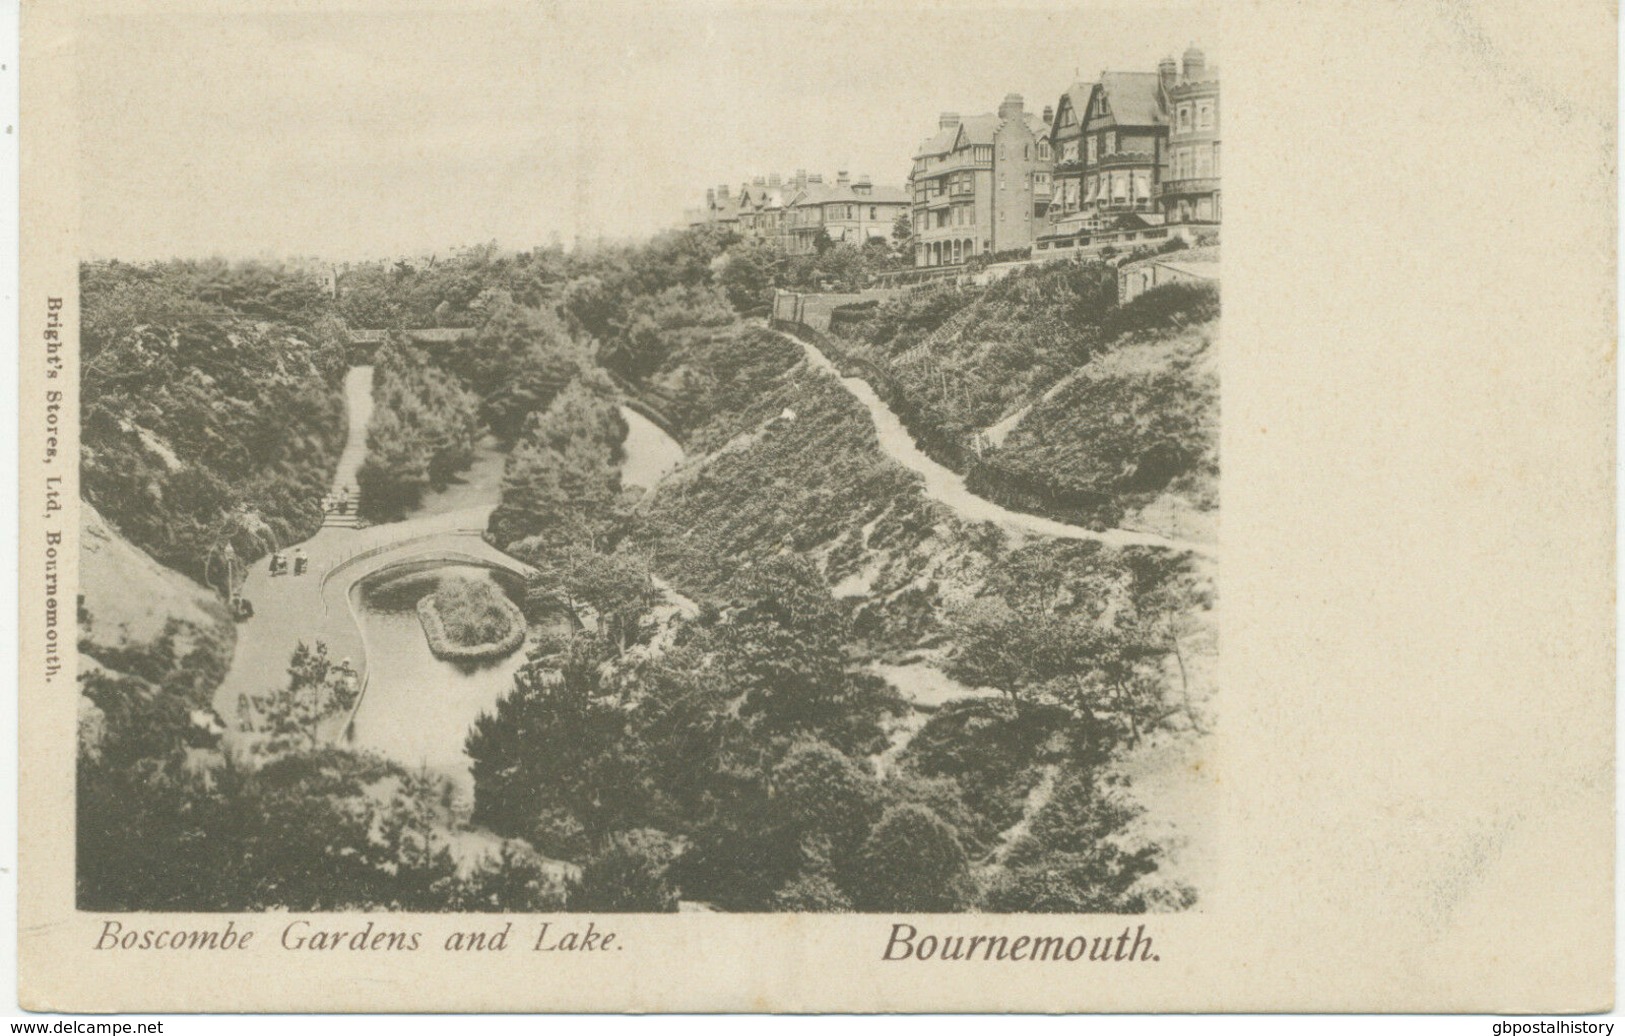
[(948, 487)]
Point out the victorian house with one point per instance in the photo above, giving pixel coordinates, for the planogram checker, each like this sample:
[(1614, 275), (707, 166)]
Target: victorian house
[(981, 184), (849, 211), (1066, 142), (1189, 192)]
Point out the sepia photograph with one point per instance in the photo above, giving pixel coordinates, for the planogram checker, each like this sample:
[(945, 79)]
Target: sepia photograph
[(586, 507)]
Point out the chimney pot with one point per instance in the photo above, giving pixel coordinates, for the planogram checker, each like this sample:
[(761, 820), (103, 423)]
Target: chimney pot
[(948, 120)]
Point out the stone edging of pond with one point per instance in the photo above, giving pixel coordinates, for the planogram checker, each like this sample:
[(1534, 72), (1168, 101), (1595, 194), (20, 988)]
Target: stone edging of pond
[(434, 628)]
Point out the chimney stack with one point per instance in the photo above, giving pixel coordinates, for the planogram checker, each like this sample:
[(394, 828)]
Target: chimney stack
[(722, 192), (801, 179), (815, 178), (773, 179), (710, 197), (1195, 62), (842, 178), (1011, 108), (1167, 72), (948, 120), (1049, 114)]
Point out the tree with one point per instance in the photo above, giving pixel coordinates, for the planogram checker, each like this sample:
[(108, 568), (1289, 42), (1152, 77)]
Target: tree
[(914, 863), (563, 477), (553, 749), (824, 800), (289, 719), (783, 647), (618, 589), (902, 232), (1075, 858), (629, 875), (748, 276), (1106, 676), (518, 361)]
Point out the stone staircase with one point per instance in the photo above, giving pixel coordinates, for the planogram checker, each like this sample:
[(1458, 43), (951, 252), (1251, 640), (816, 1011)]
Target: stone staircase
[(950, 330), (332, 518)]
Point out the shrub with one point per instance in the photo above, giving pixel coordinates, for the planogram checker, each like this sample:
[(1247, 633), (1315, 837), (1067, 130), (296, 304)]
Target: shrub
[(467, 619), (913, 862), (813, 894), (628, 876)]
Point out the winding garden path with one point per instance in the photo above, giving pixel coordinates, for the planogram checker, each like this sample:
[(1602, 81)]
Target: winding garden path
[(948, 487)]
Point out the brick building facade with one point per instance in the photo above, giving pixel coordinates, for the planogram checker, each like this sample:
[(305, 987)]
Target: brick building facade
[(981, 184)]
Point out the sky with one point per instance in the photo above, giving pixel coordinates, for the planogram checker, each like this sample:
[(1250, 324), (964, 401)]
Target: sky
[(365, 134)]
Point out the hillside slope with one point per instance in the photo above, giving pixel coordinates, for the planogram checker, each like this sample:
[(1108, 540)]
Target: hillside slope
[(1139, 422)]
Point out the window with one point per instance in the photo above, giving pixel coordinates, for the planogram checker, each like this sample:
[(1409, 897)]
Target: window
[(1026, 152), (1204, 162), (1215, 160), (1184, 118), (1204, 115), (1069, 152), (1043, 150), (1001, 152), (1001, 182), (1093, 144), (1108, 143)]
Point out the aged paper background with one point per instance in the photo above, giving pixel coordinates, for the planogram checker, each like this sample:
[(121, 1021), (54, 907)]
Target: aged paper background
[(1414, 764)]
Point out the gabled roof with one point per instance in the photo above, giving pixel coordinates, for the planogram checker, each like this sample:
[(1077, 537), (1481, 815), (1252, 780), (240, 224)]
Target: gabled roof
[(940, 144), (1133, 98), (978, 129), (1075, 97)]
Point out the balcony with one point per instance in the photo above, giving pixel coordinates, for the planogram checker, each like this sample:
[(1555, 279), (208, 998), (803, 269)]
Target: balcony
[(1186, 185), (1119, 159), (1121, 205)]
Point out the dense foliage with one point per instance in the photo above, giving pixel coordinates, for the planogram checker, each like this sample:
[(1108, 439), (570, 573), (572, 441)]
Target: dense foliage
[(746, 748), (563, 475), (166, 822), (957, 360), (211, 409), (423, 430)]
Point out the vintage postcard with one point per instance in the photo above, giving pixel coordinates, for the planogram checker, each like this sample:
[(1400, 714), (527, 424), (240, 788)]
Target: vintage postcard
[(844, 507)]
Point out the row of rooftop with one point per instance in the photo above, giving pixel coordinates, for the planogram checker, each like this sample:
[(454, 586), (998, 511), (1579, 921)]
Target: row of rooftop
[(1129, 158)]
